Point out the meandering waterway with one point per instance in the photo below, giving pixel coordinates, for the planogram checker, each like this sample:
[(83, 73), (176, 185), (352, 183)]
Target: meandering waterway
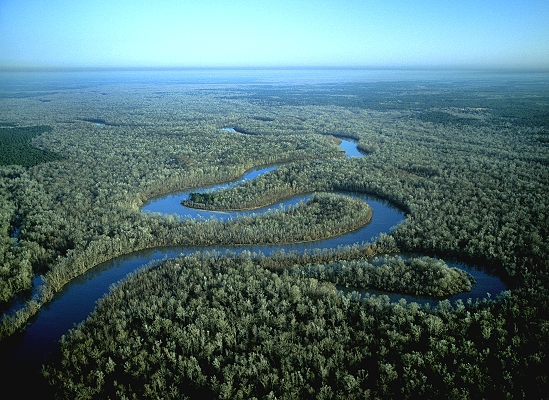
[(28, 350)]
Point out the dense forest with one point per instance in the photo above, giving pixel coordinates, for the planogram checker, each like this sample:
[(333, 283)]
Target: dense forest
[(16, 147), (468, 162), (208, 326)]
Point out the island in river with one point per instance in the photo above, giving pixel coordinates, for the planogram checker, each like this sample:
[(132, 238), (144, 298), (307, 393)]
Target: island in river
[(465, 158)]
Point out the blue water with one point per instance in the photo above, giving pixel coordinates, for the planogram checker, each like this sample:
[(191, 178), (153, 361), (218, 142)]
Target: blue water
[(25, 352), (350, 148), (77, 300), (171, 204)]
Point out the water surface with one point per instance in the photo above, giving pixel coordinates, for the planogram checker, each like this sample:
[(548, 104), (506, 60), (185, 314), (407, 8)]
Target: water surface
[(25, 352)]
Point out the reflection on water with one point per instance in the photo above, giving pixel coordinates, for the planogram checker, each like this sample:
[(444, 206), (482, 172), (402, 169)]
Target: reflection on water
[(350, 148)]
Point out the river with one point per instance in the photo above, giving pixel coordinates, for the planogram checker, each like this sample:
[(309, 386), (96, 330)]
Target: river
[(24, 353)]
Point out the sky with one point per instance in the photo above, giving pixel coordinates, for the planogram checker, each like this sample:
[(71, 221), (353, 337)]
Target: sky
[(274, 33)]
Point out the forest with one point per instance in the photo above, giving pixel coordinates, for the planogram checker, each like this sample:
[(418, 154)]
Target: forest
[(468, 162), (16, 147)]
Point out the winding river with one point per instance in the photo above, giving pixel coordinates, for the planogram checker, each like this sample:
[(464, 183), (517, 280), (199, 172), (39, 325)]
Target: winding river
[(25, 352)]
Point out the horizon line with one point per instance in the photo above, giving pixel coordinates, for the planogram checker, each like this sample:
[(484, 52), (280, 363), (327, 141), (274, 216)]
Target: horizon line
[(280, 67)]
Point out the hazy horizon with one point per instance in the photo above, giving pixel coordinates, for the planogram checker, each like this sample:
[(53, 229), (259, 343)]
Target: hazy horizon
[(282, 34), (434, 68)]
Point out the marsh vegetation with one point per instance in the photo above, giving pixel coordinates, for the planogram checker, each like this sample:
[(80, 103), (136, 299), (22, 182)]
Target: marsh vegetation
[(467, 161)]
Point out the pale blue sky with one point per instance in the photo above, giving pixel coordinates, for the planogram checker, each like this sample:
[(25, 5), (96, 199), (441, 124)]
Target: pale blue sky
[(274, 33)]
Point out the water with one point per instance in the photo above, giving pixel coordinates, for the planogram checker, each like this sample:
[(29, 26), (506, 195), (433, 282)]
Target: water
[(24, 353), (232, 130), (487, 286), (350, 148), (77, 300), (171, 204), (30, 349)]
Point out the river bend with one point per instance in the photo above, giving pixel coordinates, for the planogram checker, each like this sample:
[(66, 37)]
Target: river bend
[(28, 350)]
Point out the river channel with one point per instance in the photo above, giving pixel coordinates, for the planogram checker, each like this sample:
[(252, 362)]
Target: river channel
[(27, 351)]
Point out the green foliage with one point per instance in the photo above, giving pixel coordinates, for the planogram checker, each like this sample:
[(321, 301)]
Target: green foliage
[(207, 326), (17, 257), (474, 187), (16, 147), (424, 276), (207, 198), (445, 118)]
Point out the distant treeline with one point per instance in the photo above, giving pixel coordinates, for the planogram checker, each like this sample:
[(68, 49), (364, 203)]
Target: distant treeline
[(467, 163)]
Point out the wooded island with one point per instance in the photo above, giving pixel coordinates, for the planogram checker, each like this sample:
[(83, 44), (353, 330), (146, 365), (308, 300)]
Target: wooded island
[(468, 162)]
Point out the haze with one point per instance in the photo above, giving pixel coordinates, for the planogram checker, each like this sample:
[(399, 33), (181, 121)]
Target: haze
[(281, 33)]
